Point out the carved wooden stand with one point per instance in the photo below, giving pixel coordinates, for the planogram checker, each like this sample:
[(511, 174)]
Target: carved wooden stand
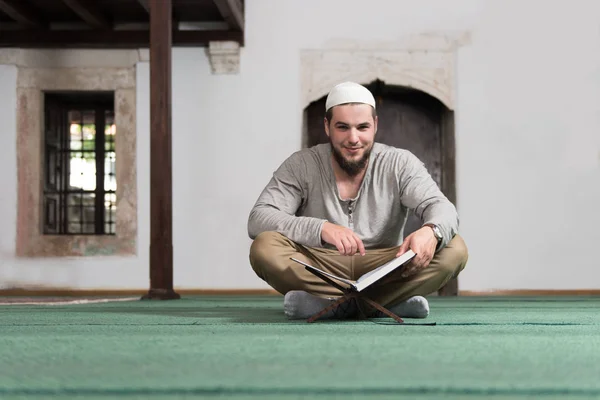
[(348, 295)]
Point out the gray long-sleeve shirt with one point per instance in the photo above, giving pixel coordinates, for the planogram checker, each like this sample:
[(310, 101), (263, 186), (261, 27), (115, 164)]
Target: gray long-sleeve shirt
[(302, 195)]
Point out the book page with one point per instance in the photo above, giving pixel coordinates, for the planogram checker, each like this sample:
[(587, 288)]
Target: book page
[(371, 277), (346, 281)]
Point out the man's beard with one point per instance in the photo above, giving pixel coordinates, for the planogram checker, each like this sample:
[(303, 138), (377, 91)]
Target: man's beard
[(352, 168)]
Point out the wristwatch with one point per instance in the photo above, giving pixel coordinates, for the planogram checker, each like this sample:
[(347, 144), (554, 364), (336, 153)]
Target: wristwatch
[(437, 232)]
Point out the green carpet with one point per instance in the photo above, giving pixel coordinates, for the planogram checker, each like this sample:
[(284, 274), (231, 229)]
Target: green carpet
[(243, 347)]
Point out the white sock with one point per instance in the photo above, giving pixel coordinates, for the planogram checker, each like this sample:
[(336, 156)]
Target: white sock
[(415, 307), (301, 305), (298, 304)]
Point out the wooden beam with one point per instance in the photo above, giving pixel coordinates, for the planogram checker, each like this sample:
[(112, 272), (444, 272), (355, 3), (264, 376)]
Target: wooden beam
[(145, 4), (161, 188), (233, 13), (22, 12), (89, 13), (109, 39)]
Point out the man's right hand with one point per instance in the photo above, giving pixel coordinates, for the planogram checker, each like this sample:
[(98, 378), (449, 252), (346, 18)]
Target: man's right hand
[(344, 239)]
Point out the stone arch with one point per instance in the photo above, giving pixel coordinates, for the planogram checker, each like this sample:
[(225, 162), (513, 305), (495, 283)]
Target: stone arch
[(399, 78), (425, 62)]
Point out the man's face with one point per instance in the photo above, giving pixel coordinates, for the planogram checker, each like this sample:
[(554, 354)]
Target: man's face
[(351, 133)]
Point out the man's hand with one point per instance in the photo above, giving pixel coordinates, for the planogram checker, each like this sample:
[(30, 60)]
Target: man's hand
[(344, 239), (423, 242)]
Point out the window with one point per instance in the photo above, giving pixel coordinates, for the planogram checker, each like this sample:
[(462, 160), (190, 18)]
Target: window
[(44, 166), (79, 192)]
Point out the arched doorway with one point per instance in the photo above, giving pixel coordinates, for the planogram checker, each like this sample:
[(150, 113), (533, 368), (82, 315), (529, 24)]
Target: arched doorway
[(408, 119)]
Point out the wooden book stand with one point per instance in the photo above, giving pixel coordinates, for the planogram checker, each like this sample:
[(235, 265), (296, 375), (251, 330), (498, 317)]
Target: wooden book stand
[(347, 295)]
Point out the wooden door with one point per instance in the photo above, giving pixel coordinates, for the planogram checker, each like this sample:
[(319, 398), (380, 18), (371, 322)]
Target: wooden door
[(411, 120)]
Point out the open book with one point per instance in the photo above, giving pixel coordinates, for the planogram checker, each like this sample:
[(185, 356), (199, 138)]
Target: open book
[(367, 279)]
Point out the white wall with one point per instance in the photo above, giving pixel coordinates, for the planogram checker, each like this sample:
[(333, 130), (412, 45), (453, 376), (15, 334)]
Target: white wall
[(528, 148)]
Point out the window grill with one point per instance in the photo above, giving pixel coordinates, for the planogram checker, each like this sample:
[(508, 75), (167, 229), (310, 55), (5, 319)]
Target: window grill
[(79, 164)]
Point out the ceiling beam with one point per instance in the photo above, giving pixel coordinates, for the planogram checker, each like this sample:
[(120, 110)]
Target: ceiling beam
[(145, 4), (233, 13), (90, 14), (109, 39), (22, 12)]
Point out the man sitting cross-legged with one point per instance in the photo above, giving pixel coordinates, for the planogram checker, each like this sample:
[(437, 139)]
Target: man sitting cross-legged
[(342, 207)]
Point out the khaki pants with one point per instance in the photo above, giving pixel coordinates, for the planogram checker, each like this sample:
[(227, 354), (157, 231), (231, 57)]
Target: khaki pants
[(270, 258)]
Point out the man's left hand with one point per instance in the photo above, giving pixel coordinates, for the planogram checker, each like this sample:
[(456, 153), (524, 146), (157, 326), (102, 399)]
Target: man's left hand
[(423, 242)]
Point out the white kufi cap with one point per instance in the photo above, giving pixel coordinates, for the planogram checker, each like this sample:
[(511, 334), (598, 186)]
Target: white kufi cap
[(349, 92)]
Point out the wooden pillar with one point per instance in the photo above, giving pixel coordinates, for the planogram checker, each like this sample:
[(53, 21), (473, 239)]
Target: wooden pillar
[(161, 204)]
